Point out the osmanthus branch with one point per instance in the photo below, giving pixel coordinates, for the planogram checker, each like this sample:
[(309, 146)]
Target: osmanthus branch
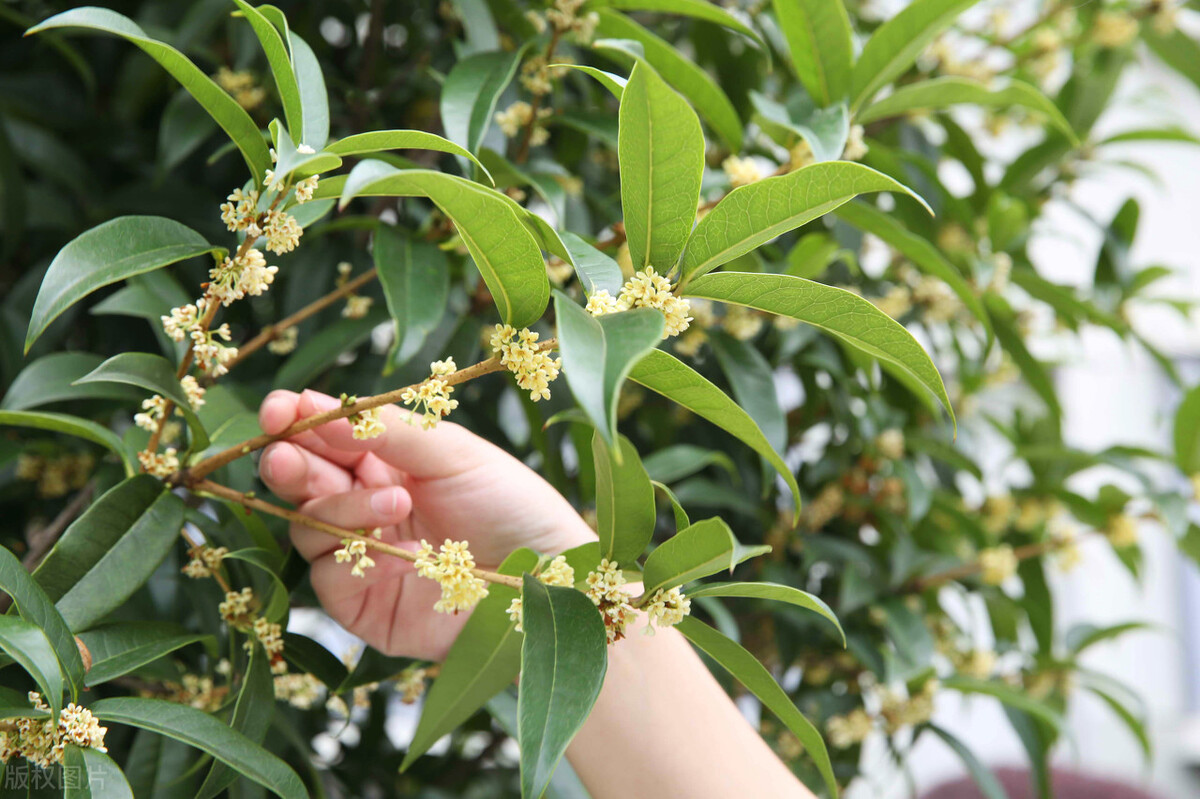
[(1025, 552), (272, 332), (535, 106), (207, 466), (224, 492)]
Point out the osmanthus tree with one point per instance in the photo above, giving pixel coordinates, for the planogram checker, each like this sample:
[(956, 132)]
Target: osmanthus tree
[(814, 550)]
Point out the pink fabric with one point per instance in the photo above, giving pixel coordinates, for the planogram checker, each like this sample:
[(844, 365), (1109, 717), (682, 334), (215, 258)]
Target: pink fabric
[(1018, 785)]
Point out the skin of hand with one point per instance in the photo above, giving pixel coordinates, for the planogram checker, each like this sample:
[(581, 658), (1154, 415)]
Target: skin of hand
[(414, 484)]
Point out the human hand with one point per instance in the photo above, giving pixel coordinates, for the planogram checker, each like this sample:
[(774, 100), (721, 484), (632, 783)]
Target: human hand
[(413, 484)]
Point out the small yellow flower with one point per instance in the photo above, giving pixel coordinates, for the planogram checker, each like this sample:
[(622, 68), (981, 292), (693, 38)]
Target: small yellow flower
[(997, 564), (452, 568), (667, 608), (605, 589), (1122, 530)]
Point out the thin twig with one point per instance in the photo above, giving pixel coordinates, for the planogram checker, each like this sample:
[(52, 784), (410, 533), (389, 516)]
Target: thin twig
[(527, 138), (970, 569), (218, 490)]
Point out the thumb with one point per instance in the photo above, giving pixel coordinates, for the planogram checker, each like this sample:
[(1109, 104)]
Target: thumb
[(442, 451)]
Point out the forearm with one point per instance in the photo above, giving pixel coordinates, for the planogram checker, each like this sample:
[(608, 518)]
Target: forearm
[(663, 726)]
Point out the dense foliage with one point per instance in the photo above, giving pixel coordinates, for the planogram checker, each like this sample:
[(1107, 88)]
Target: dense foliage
[(787, 281)]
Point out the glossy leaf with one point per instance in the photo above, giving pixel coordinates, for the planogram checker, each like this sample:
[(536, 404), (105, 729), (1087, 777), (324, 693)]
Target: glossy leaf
[(825, 129), (503, 249), (97, 775), (696, 9), (1009, 696), (378, 141), (204, 732), (704, 94), (563, 660), (280, 61), (321, 351), (704, 548), (598, 353), (625, 512), (415, 277), (116, 250), (154, 374), (70, 425), (678, 382), (819, 40), (895, 45), (661, 153), (122, 647), (984, 779), (753, 215), (313, 97), (484, 660), (251, 717), (595, 270), (232, 118), (49, 379), (614, 83), (470, 93), (110, 550), (1187, 433), (36, 608), (683, 460), (753, 383), (28, 645), (924, 255), (746, 669), (939, 93), (836, 311), (774, 592)]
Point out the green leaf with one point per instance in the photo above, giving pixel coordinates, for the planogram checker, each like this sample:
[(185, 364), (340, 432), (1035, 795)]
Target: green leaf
[(251, 717), (984, 779), (97, 776), (1009, 696), (1083, 636), (774, 592), (595, 270), (753, 383), (470, 93), (36, 608), (1187, 433), (678, 382), (312, 658), (1177, 50), (704, 548), (71, 425), (28, 645), (314, 100), (939, 93), (746, 669), (155, 374), (681, 518), (321, 350), (110, 550), (122, 647), (280, 61), (416, 281), (118, 249), (625, 512), (484, 660), (232, 118), (1004, 323), (197, 728), (661, 154), (502, 247), (696, 9), (819, 39), (1135, 725), (924, 255), (754, 214), (617, 31), (614, 83), (895, 45), (836, 311), (825, 129), (683, 460), (381, 140), (598, 353), (49, 379), (563, 661)]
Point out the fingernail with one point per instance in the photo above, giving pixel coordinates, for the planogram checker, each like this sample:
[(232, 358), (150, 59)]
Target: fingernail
[(386, 502), (264, 466)]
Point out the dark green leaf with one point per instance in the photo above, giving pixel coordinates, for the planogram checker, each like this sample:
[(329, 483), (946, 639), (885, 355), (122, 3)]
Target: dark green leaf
[(153, 373), (470, 94), (772, 591), (25, 643), (819, 39), (416, 281), (36, 608), (71, 425), (122, 647), (625, 513), (704, 548)]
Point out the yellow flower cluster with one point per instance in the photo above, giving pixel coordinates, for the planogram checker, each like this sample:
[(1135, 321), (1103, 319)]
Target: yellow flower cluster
[(518, 116), (42, 742), (997, 564), (355, 549), (533, 367), (56, 476), (557, 572), (285, 342), (242, 86), (978, 664), (646, 289), (244, 273), (159, 464), (452, 569), (1122, 530), (1114, 29), (890, 444), (301, 691), (411, 684), (855, 147), (205, 561), (604, 588), (849, 730), (270, 635), (240, 210), (825, 507), (238, 608), (742, 171), (667, 608), (194, 690), (898, 711), (433, 395)]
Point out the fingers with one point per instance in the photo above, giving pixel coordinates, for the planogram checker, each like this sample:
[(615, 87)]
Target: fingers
[(425, 454), (281, 409), (295, 474), (358, 509)]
